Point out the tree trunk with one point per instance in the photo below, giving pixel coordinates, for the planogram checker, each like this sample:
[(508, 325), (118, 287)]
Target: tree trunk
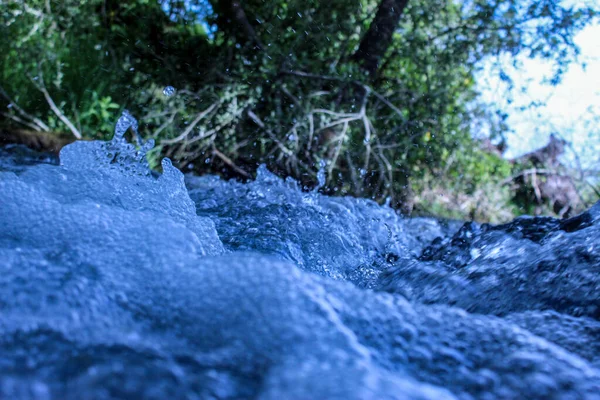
[(235, 22), (378, 38)]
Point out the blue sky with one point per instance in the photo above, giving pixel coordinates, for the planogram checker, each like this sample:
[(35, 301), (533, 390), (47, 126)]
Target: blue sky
[(572, 109)]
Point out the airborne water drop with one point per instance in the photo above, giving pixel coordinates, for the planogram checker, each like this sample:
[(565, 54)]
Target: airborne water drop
[(169, 91), (125, 121), (321, 176)]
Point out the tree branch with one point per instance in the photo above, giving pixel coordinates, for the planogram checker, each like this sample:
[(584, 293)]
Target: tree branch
[(230, 163), (42, 88), (36, 121)]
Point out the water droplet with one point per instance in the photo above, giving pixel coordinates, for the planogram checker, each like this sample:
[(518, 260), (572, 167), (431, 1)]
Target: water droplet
[(321, 177), (125, 122), (145, 148), (169, 91), (149, 144)]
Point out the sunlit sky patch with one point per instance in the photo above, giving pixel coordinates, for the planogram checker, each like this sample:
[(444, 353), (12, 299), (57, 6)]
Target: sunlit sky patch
[(570, 110)]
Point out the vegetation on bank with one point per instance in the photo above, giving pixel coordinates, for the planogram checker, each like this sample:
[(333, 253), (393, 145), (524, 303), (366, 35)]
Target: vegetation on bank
[(380, 91)]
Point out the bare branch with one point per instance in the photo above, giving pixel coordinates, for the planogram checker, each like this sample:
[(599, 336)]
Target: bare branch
[(230, 163), (21, 121), (261, 124), (333, 113), (387, 103), (531, 171), (168, 122), (303, 74), (42, 88), (338, 148), (355, 117), (191, 127), (42, 126), (311, 130), (367, 125)]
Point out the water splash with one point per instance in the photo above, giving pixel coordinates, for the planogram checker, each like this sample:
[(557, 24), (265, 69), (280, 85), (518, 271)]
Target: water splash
[(115, 154), (116, 274), (144, 149), (125, 122), (321, 176), (169, 91)]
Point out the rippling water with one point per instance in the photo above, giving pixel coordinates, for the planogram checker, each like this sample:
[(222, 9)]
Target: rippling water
[(118, 284)]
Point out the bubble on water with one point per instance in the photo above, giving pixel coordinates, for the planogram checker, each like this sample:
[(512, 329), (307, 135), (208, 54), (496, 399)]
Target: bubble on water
[(169, 91)]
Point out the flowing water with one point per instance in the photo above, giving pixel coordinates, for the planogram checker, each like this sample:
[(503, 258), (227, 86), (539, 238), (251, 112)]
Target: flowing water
[(117, 284)]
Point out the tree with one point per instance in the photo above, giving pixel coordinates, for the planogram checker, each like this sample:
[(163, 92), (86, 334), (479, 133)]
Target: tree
[(379, 36), (381, 91)]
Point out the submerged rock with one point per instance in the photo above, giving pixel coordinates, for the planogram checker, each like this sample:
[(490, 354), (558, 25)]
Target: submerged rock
[(520, 266), (115, 284), (16, 158)]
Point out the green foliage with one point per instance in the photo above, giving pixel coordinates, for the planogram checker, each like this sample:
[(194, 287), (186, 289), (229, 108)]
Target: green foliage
[(469, 185), (282, 88), (94, 57), (99, 113)]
